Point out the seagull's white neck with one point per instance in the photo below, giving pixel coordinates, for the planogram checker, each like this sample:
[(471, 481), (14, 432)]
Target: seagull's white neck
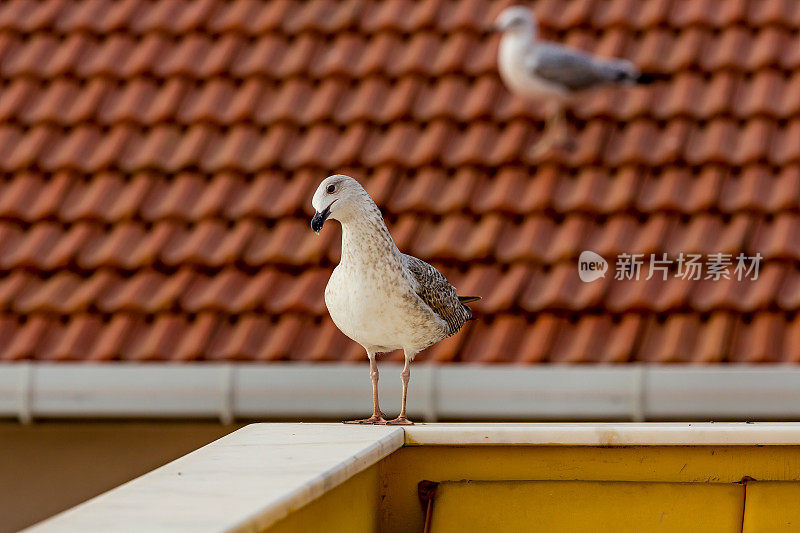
[(366, 238), (517, 50), (527, 33), (520, 39)]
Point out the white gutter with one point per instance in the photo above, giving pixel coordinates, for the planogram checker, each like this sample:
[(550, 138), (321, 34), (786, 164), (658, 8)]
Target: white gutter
[(331, 391)]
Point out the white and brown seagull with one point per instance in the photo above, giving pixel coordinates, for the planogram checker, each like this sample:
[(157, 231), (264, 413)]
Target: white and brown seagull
[(378, 296)]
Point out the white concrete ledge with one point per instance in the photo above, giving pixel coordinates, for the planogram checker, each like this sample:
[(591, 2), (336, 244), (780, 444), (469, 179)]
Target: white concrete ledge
[(244, 481), (616, 434)]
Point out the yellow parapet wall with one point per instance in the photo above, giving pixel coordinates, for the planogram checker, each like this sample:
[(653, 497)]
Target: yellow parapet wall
[(401, 471), (570, 488), (281, 478), (592, 506), (350, 507), (772, 506)]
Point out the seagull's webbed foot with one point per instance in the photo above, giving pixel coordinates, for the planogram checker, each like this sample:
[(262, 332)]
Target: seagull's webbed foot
[(541, 148), (544, 147), (378, 419), (400, 421)]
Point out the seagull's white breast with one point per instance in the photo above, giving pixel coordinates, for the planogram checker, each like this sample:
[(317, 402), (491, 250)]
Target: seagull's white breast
[(377, 309), (371, 299), (516, 61)]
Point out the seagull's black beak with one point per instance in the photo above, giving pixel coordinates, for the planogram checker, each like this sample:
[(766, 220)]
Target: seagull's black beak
[(319, 219)]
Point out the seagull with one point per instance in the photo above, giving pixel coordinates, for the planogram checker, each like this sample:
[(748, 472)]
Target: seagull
[(378, 296), (553, 73)]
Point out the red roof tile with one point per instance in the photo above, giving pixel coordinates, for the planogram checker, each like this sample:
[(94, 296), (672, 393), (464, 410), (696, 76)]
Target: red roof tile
[(157, 163)]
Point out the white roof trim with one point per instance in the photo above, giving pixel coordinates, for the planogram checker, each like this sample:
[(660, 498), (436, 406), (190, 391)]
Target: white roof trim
[(467, 392)]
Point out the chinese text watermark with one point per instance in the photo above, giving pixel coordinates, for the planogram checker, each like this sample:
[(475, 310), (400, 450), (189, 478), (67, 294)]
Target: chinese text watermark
[(714, 267)]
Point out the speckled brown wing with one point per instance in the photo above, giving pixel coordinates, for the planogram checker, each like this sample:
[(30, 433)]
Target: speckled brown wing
[(434, 289)]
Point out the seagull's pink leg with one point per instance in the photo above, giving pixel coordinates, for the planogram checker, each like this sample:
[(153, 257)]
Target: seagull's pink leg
[(562, 132), (555, 130), (402, 420), (377, 417)]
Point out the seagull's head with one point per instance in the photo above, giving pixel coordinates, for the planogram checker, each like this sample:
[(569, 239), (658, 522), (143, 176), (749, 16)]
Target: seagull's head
[(517, 20), (337, 197)]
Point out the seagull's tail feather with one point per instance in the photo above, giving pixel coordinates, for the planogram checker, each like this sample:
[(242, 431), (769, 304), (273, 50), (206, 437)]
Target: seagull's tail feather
[(645, 78), (467, 299), (469, 313), (623, 71)]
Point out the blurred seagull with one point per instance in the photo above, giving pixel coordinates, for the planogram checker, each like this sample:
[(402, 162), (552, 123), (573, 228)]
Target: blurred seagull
[(553, 73), (378, 296)]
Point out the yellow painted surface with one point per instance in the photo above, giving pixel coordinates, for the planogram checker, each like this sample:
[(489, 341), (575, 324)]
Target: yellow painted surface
[(402, 511), (772, 506), (580, 506), (350, 507), (664, 485)]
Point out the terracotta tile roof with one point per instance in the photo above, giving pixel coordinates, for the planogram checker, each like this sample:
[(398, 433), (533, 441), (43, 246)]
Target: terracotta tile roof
[(157, 161)]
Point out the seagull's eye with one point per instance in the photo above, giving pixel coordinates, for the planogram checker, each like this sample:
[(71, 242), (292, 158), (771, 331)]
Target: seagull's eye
[(331, 189)]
